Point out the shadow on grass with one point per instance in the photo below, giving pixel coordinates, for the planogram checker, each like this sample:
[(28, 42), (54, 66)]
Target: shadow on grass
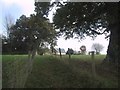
[(53, 72)]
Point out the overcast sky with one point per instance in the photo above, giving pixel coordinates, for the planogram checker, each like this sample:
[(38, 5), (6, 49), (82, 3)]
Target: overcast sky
[(16, 8)]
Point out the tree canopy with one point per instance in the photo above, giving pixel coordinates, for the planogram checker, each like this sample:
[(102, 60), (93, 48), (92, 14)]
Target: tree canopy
[(32, 31), (85, 19), (73, 20), (81, 19), (29, 33)]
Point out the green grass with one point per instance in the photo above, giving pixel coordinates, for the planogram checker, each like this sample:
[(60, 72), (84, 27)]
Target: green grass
[(64, 73), (11, 63), (53, 72)]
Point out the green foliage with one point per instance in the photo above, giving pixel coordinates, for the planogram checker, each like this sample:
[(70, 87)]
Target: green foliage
[(85, 19), (42, 8), (81, 19), (70, 51), (42, 51), (30, 32)]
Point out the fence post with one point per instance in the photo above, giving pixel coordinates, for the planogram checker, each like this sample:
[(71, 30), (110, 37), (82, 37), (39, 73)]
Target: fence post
[(60, 52), (69, 53), (93, 63), (92, 55)]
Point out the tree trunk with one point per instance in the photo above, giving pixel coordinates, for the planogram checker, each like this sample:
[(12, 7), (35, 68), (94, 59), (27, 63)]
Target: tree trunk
[(113, 47), (31, 54), (69, 56)]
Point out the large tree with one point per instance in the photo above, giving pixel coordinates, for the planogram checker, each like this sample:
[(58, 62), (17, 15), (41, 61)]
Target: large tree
[(78, 19), (31, 32), (42, 10)]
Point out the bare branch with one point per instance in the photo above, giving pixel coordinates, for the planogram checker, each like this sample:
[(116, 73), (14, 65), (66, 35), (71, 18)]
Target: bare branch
[(8, 22)]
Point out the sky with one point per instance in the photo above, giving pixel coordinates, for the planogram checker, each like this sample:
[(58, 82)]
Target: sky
[(16, 8), (75, 44)]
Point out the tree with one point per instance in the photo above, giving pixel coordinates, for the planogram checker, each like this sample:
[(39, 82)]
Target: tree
[(8, 22), (97, 47), (70, 51), (6, 39), (42, 10), (53, 43), (32, 32), (5, 45), (83, 49), (0, 44), (43, 48), (90, 19)]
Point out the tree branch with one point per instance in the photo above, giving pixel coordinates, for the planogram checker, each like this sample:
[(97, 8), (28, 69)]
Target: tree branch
[(98, 32)]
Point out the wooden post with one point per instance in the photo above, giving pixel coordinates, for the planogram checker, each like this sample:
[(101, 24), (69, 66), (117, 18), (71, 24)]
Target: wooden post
[(60, 53), (69, 53), (92, 55), (93, 63)]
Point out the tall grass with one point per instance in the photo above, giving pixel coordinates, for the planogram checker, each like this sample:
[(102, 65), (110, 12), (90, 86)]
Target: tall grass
[(55, 72), (14, 70), (52, 71)]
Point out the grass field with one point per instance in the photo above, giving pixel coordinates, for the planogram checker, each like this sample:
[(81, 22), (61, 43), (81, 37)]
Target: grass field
[(14, 70), (54, 72)]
